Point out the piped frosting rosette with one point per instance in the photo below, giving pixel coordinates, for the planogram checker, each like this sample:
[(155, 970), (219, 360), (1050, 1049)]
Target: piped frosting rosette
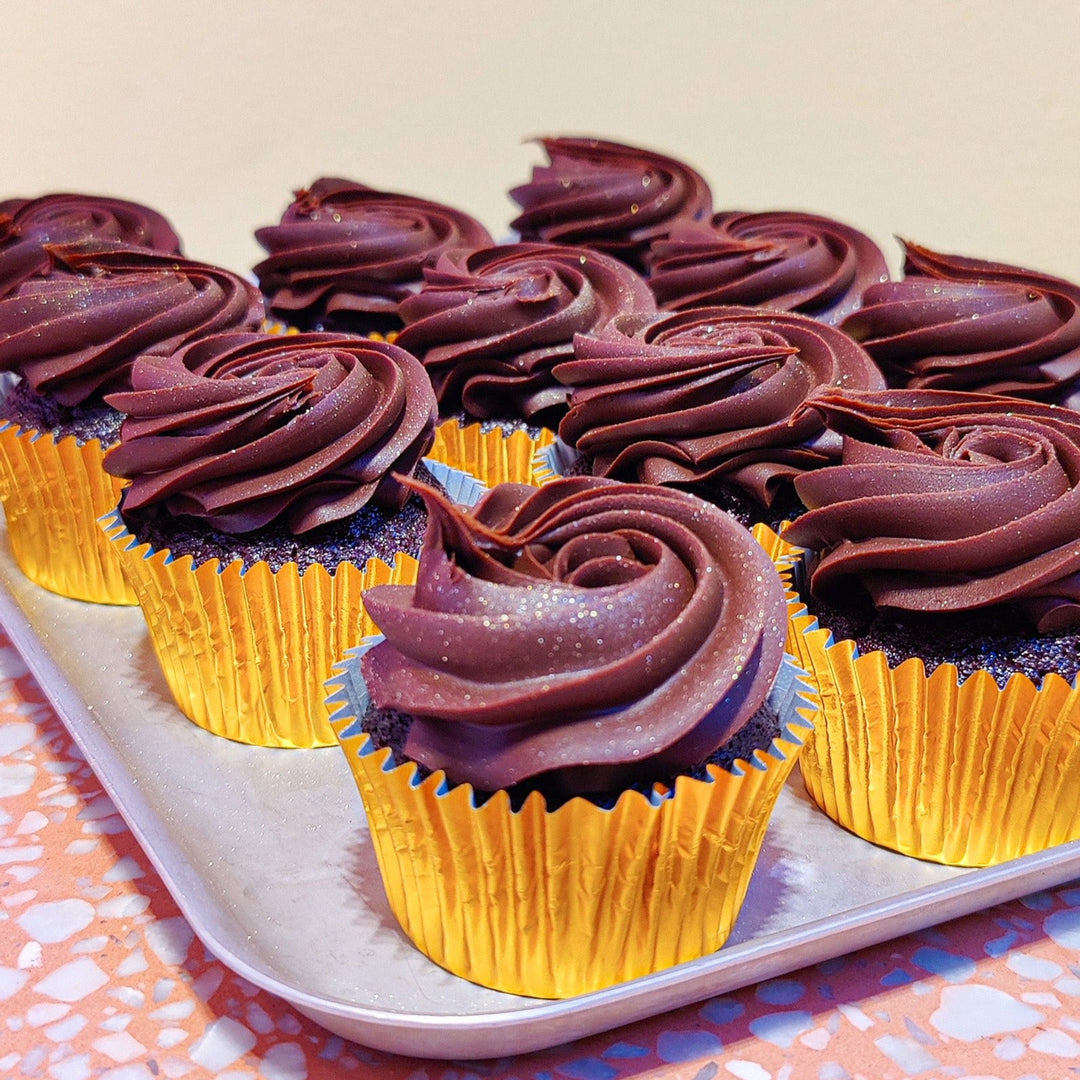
[(782, 259), (583, 637), (346, 254), (73, 337), (245, 440), (28, 227), (944, 502), (959, 323), (709, 395), (490, 325), (609, 197)]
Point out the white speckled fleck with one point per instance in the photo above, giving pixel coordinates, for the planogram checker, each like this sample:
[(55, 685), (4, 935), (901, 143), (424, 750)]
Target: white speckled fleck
[(970, 1013), (286, 1061), (120, 1046), (1033, 967), (56, 921), (73, 980), (1056, 1043), (224, 1042)]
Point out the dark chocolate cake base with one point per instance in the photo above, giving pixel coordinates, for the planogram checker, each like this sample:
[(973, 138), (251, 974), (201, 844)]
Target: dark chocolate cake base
[(371, 532), (390, 728), (40, 412), (993, 639)]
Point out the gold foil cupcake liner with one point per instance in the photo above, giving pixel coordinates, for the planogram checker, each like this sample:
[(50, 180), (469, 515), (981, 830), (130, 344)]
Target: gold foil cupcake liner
[(563, 902), (493, 456), (54, 491), (967, 774), (246, 652)]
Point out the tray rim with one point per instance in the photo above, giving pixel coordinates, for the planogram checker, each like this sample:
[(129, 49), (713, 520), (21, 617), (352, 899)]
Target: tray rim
[(541, 1024)]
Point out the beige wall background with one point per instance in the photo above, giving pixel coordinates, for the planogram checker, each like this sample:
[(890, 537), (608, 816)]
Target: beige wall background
[(955, 124)]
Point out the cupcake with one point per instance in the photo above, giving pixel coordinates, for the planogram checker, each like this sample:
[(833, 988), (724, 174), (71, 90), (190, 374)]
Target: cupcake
[(608, 197), (782, 259), (266, 491), (570, 741), (72, 338), (29, 226), (942, 623), (344, 255), (709, 400), (956, 323), (490, 325)]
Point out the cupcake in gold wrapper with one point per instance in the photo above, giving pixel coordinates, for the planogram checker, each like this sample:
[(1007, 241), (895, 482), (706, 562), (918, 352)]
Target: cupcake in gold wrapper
[(72, 334), (940, 627), (572, 737), (489, 326), (264, 497)]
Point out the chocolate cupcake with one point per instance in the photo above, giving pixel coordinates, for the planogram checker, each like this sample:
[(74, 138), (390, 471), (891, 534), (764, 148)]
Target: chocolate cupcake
[(265, 493), (782, 259), (942, 562), (28, 227), (72, 338), (709, 400), (344, 255), (956, 323), (608, 197), (490, 325), (638, 631)]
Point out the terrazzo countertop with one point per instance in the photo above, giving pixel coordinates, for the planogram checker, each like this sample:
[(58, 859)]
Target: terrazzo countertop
[(101, 976)]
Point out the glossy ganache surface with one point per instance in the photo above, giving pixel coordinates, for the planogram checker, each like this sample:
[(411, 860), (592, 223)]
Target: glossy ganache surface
[(783, 259), (242, 431), (947, 501), (969, 324), (709, 394), (609, 197), (635, 629), (75, 335), (345, 255), (490, 325), (66, 219)]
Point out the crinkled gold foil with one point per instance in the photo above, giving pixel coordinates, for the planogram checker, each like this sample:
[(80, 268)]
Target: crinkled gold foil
[(560, 903), (54, 491), (247, 654), (967, 774), (493, 457)]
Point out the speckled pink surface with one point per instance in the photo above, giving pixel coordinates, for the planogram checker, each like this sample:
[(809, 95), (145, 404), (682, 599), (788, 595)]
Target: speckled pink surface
[(100, 975)]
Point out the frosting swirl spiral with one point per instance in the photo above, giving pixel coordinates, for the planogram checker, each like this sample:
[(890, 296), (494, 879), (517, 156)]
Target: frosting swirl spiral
[(781, 259), (75, 335), (240, 430), (709, 394), (27, 226), (609, 197), (948, 501), (967, 324), (637, 628), (345, 252), (491, 324)]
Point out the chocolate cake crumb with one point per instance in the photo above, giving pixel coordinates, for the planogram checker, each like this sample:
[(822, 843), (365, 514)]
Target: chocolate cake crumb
[(387, 727), (371, 532), (995, 639), (39, 412)]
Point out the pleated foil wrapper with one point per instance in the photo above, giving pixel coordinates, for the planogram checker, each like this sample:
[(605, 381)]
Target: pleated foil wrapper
[(962, 773), (54, 491), (493, 455), (557, 903), (246, 652)]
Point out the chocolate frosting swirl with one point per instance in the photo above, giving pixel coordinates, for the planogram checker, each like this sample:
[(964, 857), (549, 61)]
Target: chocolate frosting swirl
[(347, 253), (490, 325), (608, 197), (782, 259), (241, 430), (601, 632), (948, 501), (75, 335), (29, 226), (709, 394), (967, 324)]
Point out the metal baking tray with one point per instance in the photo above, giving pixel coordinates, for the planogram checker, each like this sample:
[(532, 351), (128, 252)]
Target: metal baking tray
[(267, 855)]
